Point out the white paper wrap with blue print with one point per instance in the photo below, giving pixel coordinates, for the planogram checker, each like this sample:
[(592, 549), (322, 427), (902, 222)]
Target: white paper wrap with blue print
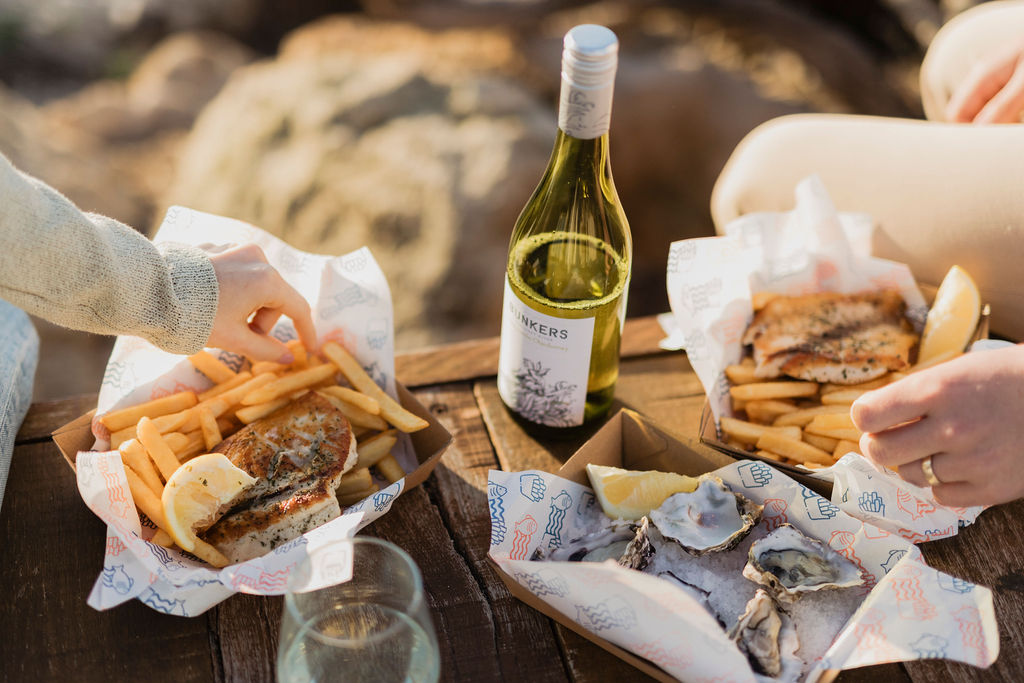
[(351, 304), (911, 611)]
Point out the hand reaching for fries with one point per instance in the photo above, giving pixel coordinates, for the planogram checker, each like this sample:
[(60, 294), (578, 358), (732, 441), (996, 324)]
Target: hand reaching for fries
[(253, 296), (965, 414)]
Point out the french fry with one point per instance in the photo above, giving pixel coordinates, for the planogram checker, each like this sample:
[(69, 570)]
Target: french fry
[(805, 415), (388, 466), (218, 389), (219, 405), (833, 421), (356, 496), (793, 448), (162, 539), (157, 448), (145, 499), (209, 428), (768, 455), (811, 465), (288, 383), (741, 374), (843, 447), (844, 397), (816, 427), (125, 417), (357, 398), (764, 390), (207, 553), (828, 388), (252, 413), (176, 440), (737, 406), (133, 454), (375, 448), (390, 409), (767, 410), (299, 351), (749, 432), (356, 415), (825, 443), (208, 364), (265, 366), (355, 480)]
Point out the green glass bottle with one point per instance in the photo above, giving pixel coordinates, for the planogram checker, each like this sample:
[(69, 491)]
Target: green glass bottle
[(569, 259)]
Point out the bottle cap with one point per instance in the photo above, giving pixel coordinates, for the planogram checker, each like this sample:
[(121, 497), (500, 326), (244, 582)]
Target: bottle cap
[(590, 56)]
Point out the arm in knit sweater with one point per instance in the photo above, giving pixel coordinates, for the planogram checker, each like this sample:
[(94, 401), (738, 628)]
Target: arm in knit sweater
[(92, 273)]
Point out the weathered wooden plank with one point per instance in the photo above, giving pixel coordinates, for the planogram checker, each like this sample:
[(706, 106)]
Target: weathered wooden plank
[(52, 549), (479, 357), (43, 418), (988, 553), (465, 631), (459, 487), (244, 636)]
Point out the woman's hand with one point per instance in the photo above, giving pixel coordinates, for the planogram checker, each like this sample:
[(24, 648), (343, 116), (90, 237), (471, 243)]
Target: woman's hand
[(253, 295), (967, 414), (993, 91)]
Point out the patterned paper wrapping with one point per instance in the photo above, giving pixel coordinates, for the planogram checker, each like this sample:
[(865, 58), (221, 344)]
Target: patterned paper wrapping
[(810, 249), (351, 305), (911, 611)]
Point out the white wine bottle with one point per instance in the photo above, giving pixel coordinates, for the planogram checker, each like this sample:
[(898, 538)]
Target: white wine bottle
[(569, 258)]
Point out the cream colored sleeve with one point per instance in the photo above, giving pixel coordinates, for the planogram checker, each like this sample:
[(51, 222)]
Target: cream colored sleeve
[(92, 273)]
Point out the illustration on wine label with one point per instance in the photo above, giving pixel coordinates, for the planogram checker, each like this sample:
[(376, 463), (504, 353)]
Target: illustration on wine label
[(569, 258)]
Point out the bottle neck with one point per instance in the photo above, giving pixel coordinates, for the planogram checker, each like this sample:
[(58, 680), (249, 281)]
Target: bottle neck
[(584, 112)]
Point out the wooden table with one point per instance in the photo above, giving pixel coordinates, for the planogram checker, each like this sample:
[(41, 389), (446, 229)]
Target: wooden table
[(51, 546)]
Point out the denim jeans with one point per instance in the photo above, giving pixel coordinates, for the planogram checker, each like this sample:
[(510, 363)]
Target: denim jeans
[(19, 351)]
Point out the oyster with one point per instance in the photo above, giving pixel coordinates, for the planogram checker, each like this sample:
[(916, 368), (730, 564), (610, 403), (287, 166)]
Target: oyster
[(789, 563), (766, 635), (711, 518), (639, 552), (607, 543)]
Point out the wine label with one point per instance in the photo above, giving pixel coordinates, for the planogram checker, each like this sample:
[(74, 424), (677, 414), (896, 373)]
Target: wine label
[(584, 113), (544, 363)]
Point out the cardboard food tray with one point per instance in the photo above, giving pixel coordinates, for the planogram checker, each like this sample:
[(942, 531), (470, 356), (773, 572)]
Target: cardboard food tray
[(630, 441), (429, 444), (709, 434)]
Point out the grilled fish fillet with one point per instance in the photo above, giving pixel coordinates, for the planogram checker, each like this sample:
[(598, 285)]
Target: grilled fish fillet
[(298, 455), (838, 338)]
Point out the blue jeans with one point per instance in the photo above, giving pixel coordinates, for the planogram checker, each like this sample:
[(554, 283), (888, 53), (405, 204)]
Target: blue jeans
[(19, 351)]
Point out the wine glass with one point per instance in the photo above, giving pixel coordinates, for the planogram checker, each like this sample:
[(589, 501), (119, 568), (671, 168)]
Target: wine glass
[(355, 610)]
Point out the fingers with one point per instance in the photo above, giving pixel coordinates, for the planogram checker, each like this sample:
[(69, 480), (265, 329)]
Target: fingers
[(1006, 105), (261, 346), (889, 406), (900, 445), (297, 308)]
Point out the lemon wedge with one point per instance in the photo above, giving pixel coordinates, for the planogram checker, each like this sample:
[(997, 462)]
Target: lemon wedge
[(952, 318), (196, 492), (631, 494)]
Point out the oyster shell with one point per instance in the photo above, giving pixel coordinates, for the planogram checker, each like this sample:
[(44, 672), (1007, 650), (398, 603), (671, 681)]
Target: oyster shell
[(607, 543), (789, 563), (639, 552), (711, 518), (765, 634)]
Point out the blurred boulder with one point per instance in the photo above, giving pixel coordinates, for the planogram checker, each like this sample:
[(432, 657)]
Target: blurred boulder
[(339, 149)]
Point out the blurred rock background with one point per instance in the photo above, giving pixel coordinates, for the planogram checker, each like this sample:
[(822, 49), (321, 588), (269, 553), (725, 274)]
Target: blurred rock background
[(416, 127)]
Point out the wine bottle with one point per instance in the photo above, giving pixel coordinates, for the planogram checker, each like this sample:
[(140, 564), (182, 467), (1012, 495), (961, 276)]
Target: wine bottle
[(569, 258)]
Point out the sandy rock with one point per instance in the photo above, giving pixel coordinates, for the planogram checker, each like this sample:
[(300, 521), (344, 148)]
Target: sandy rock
[(335, 152)]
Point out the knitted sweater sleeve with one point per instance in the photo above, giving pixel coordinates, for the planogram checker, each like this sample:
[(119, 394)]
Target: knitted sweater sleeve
[(92, 273)]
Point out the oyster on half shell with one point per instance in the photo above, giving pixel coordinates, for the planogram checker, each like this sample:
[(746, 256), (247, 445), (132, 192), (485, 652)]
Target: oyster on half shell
[(766, 635), (709, 519), (639, 552), (789, 563), (607, 543)]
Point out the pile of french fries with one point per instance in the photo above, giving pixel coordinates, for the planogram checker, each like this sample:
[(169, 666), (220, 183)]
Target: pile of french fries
[(157, 437), (795, 422)]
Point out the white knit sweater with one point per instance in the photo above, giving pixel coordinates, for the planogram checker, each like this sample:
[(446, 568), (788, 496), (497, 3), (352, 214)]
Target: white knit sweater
[(92, 273)]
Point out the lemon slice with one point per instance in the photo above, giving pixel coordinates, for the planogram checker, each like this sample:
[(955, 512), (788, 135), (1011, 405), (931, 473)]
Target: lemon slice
[(952, 318), (631, 494), (196, 492)]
